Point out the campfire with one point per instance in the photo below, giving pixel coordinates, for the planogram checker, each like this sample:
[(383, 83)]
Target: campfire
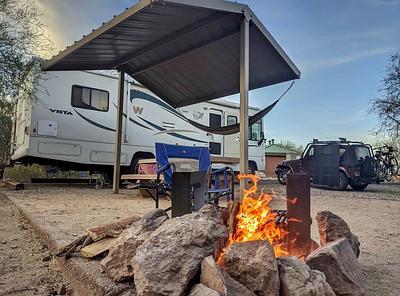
[(256, 220), (249, 249)]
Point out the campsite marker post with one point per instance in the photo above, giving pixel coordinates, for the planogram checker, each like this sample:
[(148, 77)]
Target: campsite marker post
[(118, 137), (244, 101)]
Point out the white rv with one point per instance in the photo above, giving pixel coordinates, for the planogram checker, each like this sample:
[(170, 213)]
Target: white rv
[(73, 125)]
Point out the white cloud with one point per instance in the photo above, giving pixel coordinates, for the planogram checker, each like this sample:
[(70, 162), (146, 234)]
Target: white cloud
[(315, 65)]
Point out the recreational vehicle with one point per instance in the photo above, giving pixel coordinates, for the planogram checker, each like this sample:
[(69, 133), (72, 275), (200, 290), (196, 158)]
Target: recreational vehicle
[(72, 125)]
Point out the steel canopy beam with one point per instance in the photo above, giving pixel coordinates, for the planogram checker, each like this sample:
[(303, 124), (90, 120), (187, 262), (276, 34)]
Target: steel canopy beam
[(168, 39), (118, 132), (183, 53), (244, 101)]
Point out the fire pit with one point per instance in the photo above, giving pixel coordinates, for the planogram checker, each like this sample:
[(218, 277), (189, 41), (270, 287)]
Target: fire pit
[(255, 250)]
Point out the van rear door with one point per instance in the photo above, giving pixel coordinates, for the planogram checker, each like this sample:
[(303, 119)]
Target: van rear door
[(325, 165)]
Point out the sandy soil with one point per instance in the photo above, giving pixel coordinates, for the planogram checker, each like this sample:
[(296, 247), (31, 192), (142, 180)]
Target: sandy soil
[(372, 215), (25, 265)]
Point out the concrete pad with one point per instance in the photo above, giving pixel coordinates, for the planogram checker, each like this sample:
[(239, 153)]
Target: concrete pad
[(61, 214)]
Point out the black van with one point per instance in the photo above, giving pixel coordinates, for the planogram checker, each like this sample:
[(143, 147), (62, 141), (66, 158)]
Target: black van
[(334, 164)]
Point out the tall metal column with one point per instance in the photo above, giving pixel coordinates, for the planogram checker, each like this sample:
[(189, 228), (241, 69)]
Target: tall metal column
[(244, 101), (118, 132)]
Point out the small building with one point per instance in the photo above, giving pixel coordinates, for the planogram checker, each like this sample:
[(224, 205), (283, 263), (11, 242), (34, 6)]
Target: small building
[(275, 154)]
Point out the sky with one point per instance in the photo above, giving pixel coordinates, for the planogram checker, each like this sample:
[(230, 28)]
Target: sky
[(342, 48)]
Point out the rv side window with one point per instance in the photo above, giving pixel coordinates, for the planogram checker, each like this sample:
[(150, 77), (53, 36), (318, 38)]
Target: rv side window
[(89, 98), (231, 120)]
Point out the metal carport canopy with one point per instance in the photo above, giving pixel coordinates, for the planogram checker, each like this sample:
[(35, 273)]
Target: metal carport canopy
[(184, 51)]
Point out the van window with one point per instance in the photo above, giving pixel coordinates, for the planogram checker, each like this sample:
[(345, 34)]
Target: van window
[(362, 152), (231, 120), (89, 98), (310, 152)]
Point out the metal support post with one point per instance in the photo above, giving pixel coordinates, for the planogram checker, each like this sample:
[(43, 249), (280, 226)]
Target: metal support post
[(244, 101), (118, 132), (298, 214)]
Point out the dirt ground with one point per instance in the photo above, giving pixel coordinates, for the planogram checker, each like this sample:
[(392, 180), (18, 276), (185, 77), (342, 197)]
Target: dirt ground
[(25, 265), (372, 215)]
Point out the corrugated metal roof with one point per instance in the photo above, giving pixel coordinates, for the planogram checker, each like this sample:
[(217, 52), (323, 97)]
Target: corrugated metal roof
[(275, 149), (184, 51)]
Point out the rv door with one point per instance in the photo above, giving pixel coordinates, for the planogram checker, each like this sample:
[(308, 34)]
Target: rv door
[(216, 142), (231, 141)]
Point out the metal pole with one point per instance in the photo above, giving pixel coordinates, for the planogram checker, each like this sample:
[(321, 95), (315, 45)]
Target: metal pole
[(244, 101), (118, 132)]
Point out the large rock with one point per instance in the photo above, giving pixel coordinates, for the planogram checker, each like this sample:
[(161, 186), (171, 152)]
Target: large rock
[(118, 263), (166, 262), (331, 227), (253, 264), (202, 290), (340, 266), (217, 279), (297, 279)]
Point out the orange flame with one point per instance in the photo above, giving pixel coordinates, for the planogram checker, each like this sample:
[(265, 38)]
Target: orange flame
[(256, 220)]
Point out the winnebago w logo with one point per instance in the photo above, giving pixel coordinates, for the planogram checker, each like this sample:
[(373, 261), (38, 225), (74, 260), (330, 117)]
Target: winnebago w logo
[(137, 110), (61, 112)]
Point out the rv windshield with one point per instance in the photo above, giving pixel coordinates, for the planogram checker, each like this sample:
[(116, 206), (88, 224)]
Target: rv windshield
[(255, 131)]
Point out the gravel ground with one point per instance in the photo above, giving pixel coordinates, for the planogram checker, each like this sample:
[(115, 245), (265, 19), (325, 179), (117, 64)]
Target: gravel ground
[(26, 267), (373, 215)]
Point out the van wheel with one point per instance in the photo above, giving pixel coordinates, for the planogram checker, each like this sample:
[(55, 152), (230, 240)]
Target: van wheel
[(343, 181), (282, 176), (359, 187)]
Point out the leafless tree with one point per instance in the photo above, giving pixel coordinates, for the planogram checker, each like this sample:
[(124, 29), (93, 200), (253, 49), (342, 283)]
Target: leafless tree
[(22, 42), (387, 106)]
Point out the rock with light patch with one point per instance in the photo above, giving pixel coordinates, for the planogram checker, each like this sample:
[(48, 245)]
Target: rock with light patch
[(170, 258), (253, 264), (217, 279), (202, 290), (118, 263), (331, 228), (340, 266), (297, 279)]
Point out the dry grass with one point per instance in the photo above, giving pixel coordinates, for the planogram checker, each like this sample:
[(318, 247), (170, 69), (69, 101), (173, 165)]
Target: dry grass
[(21, 173)]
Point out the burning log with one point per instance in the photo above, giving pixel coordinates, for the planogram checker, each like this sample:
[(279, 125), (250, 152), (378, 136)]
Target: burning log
[(233, 208), (253, 264), (298, 279), (340, 266)]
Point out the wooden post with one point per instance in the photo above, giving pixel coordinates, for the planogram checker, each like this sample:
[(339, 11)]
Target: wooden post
[(244, 101), (118, 132)]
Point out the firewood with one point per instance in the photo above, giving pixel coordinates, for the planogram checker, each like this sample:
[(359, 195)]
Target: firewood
[(14, 185), (110, 230), (97, 248), (71, 247), (234, 210)]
